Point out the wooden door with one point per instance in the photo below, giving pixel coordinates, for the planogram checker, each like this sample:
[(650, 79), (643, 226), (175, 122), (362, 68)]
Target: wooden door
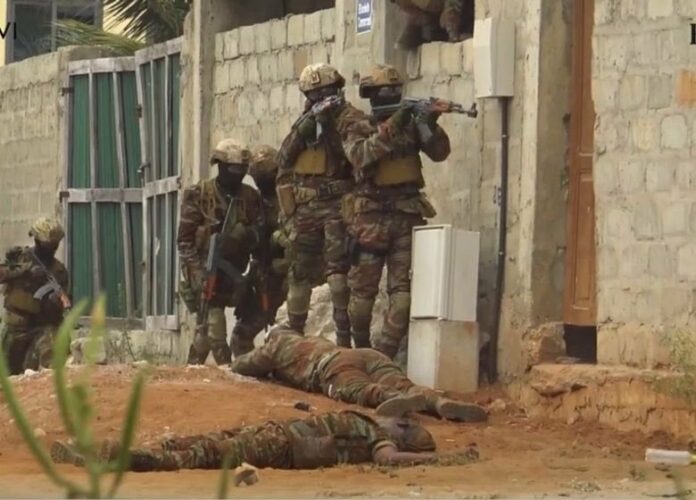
[(580, 301)]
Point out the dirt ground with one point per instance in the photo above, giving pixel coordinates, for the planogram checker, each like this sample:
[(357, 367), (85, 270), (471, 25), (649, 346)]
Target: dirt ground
[(519, 457)]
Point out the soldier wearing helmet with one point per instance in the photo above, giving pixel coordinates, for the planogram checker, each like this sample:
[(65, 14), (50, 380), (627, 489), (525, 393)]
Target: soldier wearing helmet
[(435, 20), (203, 211), (268, 271), (34, 303), (313, 176), (387, 202)]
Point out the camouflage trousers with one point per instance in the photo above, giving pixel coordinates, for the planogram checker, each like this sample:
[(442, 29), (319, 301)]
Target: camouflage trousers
[(368, 378), (318, 237), (251, 317), (265, 445), (381, 238), (27, 347)]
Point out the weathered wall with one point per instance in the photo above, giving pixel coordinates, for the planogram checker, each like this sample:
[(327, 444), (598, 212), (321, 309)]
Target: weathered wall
[(32, 140), (645, 176)]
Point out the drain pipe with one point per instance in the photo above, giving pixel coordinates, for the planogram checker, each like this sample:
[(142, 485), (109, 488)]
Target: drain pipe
[(502, 239)]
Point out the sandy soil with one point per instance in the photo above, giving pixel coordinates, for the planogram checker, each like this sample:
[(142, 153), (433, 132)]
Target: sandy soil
[(519, 457)]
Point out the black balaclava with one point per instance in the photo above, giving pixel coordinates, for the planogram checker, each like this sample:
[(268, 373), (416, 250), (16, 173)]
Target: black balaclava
[(385, 96), (266, 185), (45, 251), (230, 176), (317, 95)]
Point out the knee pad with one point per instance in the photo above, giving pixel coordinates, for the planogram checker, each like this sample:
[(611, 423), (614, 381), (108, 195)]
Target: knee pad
[(298, 299), (340, 293), (217, 324)]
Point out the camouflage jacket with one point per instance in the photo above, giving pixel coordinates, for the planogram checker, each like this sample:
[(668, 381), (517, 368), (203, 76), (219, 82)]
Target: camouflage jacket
[(202, 213), (366, 142), (289, 358), (22, 277), (335, 438), (338, 166)]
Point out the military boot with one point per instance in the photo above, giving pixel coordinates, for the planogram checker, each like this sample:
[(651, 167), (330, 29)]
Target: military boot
[(242, 340), (297, 322), (361, 339), (401, 404), (340, 317), (458, 410)]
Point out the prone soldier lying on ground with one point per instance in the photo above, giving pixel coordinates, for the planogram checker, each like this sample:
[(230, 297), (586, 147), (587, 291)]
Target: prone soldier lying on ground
[(361, 376), (318, 441)]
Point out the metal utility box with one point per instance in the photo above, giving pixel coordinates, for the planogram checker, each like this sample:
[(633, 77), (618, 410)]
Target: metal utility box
[(494, 57), (444, 269)]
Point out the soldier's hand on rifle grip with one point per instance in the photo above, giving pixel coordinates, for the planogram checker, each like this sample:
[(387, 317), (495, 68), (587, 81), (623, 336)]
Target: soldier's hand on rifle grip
[(307, 128), (400, 118)]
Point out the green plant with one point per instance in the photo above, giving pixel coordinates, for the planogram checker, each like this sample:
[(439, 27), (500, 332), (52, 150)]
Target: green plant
[(682, 351), (77, 412)]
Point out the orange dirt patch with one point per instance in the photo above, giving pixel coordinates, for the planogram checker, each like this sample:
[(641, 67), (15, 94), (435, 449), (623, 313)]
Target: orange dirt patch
[(519, 456)]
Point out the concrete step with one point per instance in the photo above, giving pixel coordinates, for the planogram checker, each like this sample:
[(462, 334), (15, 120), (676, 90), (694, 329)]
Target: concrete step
[(627, 399)]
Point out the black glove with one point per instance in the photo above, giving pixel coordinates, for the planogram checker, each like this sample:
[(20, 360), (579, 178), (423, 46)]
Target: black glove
[(400, 118), (429, 118), (307, 128)]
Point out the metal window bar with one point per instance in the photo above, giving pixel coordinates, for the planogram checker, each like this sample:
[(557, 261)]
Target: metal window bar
[(93, 195), (161, 184)]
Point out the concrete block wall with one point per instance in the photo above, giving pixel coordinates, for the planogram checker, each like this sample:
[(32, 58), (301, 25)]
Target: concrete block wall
[(644, 177), (256, 96)]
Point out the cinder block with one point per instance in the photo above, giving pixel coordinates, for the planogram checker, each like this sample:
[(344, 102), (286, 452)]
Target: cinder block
[(644, 134), (451, 58), (443, 355), (231, 44), (247, 40), (660, 8), (692, 219), (604, 92), (675, 219), (674, 132), (604, 13), (328, 24), (262, 35), (632, 92), (279, 33), (430, 58), (634, 261), (615, 52), (412, 64), (659, 176), (296, 30), (660, 259), (630, 9), (237, 72), (268, 69), (686, 175), (686, 268), (320, 54), (660, 91), (631, 176), (618, 222), (286, 65), (301, 59), (221, 78), (251, 69), (293, 98), (219, 47), (277, 99), (259, 104), (312, 27), (646, 222)]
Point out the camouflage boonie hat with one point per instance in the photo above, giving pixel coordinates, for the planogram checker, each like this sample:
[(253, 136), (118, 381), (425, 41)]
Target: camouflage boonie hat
[(316, 76), (230, 151), (381, 75), (263, 162), (47, 230)]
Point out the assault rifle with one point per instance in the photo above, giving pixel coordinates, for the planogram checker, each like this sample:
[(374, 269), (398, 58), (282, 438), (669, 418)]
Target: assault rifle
[(51, 286), (214, 265), (420, 106), (320, 107)]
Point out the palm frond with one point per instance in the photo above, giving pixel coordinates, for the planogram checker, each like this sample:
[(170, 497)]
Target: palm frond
[(71, 32), (153, 20)]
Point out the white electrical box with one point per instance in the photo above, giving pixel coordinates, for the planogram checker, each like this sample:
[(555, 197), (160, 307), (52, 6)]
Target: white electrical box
[(444, 266), (494, 57)]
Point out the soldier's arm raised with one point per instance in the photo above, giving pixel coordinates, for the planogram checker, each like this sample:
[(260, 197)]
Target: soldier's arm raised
[(291, 148), (257, 363), (390, 455), (190, 219)]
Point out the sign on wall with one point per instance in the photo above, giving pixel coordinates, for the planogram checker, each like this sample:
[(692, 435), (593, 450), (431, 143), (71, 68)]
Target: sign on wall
[(364, 23)]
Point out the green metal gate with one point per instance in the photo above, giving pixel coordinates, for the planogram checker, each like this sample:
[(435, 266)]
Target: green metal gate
[(102, 193), (158, 71)]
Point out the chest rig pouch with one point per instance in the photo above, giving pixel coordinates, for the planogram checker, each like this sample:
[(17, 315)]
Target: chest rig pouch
[(394, 171), (311, 161)]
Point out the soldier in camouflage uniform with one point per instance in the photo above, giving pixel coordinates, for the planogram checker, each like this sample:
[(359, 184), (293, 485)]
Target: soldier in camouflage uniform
[(436, 20), (203, 211), (386, 204), (30, 324), (269, 271), (346, 437), (313, 175), (360, 376)]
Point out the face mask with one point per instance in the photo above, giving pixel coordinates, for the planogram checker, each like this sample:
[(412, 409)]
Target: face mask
[(385, 96), (266, 187), (45, 251), (230, 177), (317, 95)]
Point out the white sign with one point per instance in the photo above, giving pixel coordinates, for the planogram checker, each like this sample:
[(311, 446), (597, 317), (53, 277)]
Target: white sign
[(364, 22)]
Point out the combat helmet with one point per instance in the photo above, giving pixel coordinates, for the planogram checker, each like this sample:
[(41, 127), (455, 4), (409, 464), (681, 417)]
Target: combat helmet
[(263, 163), (47, 230), (381, 75), (230, 151), (318, 75)]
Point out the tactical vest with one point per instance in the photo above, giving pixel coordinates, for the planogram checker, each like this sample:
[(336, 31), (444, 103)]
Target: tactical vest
[(311, 161), (19, 298), (395, 171), (211, 204), (315, 445)]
